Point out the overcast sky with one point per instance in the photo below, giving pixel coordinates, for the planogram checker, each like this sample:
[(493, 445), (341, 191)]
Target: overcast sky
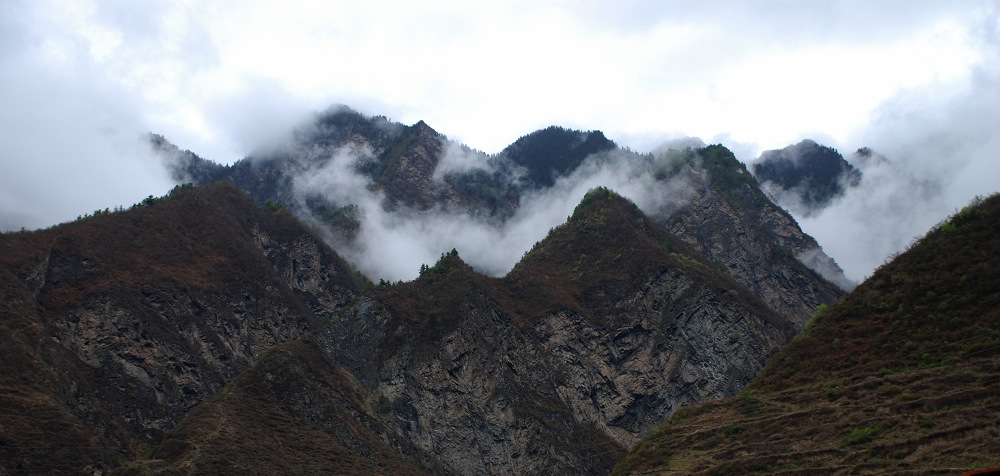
[(81, 80)]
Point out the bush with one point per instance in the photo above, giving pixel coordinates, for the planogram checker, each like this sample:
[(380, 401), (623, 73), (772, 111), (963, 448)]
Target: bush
[(862, 435)]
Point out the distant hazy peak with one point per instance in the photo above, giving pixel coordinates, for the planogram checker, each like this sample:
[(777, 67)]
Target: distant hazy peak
[(807, 176), (555, 151)]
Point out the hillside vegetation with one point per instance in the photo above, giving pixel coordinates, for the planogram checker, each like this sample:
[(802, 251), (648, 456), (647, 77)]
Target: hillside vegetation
[(901, 376)]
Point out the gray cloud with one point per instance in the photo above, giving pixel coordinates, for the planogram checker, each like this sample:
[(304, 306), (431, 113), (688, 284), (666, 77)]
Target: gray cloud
[(459, 159)]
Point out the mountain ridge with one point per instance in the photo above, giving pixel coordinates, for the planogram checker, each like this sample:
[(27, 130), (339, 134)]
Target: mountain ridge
[(497, 188), (167, 342), (160, 322)]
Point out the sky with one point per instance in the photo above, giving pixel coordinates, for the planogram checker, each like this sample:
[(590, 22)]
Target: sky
[(82, 80)]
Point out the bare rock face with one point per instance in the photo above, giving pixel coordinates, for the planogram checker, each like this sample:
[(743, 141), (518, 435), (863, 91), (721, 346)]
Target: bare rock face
[(562, 394)]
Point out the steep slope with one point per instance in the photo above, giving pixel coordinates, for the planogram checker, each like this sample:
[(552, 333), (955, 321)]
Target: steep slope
[(154, 340), (901, 376), (118, 324), (730, 220), (605, 327), (805, 177)]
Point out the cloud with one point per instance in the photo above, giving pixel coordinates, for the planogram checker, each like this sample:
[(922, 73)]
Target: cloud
[(392, 244), (71, 141), (80, 78), (459, 159), (941, 143)]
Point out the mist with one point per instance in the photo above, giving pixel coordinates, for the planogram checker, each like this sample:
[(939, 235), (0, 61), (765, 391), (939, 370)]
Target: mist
[(942, 150), (392, 245), (70, 143)]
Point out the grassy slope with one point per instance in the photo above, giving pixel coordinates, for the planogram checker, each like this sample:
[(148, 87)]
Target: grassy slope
[(902, 376)]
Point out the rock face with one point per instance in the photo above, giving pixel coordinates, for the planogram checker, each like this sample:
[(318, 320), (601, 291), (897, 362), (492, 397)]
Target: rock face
[(733, 224), (163, 362), (493, 379)]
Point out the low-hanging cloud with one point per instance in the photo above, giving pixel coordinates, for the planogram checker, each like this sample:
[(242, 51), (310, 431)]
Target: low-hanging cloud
[(942, 150), (393, 244), (459, 159)]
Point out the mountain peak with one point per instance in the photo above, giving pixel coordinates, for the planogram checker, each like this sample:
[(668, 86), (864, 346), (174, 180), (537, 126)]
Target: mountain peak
[(600, 200), (553, 152), (806, 176)]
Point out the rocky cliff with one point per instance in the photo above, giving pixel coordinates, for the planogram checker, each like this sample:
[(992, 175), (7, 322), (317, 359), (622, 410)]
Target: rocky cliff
[(159, 335), (564, 363)]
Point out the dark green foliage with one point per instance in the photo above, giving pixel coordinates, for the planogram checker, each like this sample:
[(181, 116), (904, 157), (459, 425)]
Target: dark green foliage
[(820, 172), (552, 152), (730, 176), (862, 435), (338, 123)]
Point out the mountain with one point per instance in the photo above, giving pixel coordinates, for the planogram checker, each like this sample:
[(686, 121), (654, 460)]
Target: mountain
[(807, 176), (346, 182), (226, 327), (898, 377), (198, 333), (293, 412), (116, 325), (554, 151), (603, 328)]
